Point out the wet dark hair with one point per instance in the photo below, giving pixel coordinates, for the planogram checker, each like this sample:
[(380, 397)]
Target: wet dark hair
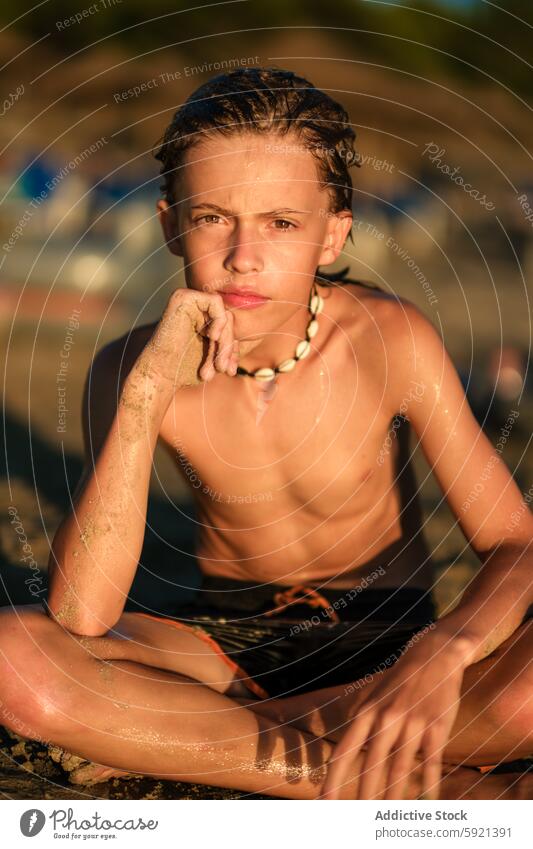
[(265, 100)]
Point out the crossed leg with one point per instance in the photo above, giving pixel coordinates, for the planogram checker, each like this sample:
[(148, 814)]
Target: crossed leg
[(148, 699), (494, 722), (495, 718)]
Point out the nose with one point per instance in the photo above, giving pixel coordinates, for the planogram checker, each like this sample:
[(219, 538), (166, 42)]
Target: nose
[(244, 252)]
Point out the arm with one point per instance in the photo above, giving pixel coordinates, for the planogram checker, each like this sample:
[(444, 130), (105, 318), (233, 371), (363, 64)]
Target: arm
[(95, 551), (481, 493), (415, 703)]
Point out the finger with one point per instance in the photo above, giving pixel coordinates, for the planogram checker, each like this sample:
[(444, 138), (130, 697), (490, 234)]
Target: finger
[(235, 354), (215, 314), (433, 746), (340, 764), (375, 765), (207, 371), (225, 345), (215, 325), (402, 762)]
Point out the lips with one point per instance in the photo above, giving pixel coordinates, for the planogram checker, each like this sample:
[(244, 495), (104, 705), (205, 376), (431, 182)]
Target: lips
[(243, 299)]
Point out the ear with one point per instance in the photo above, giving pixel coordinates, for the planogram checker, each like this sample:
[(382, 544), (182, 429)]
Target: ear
[(337, 229), (168, 217)]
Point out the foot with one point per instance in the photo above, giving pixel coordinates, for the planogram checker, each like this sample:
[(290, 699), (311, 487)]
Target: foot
[(83, 771), (91, 773)]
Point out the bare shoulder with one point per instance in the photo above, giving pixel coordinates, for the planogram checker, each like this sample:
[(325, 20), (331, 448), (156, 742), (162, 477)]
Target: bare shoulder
[(398, 322), (349, 294), (415, 351), (104, 380), (378, 314), (392, 337), (410, 333)]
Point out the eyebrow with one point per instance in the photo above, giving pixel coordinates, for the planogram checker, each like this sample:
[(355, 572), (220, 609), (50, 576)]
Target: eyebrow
[(282, 211)]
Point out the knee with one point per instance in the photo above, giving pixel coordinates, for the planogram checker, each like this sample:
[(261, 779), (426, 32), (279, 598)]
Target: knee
[(512, 712), (27, 671), (513, 702)]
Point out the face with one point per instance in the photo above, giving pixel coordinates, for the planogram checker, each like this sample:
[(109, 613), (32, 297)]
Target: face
[(253, 216)]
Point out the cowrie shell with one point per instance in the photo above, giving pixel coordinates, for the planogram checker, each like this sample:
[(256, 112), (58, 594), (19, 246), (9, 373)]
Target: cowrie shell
[(264, 374), (312, 329), (287, 365), (317, 304), (302, 349)]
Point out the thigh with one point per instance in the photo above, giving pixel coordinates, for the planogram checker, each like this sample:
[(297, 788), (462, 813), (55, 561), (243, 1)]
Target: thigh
[(31, 638), (171, 645), (497, 703)]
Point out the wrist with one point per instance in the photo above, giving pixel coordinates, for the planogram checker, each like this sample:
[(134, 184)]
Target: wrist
[(144, 401), (458, 641), (145, 386), (144, 374)]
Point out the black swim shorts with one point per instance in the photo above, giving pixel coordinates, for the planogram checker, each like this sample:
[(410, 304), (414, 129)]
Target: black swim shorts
[(282, 641)]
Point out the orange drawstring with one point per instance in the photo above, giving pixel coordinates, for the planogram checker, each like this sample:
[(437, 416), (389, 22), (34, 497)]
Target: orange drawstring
[(287, 597)]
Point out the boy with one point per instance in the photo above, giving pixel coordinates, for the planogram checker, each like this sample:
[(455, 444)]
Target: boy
[(311, 664)]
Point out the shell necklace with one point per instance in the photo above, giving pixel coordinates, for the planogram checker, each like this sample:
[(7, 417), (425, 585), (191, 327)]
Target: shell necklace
[(316, 305)]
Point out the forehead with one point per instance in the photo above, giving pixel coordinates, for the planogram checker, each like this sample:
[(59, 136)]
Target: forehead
[(250, 168)]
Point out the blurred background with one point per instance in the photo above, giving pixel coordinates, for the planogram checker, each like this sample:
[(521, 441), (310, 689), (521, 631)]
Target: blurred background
[(438, 92)]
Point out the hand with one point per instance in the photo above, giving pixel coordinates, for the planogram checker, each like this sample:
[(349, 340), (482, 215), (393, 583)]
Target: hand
[(409, 712), (178, 343)]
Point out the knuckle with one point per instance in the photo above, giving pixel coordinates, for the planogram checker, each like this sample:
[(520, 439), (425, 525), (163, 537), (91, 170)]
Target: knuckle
[(437, 731), (391, 714), (399, 768), (402, 761), (177, 295), (433, 745)]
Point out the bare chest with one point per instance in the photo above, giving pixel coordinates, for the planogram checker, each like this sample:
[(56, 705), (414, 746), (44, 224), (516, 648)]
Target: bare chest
[(314, 442)]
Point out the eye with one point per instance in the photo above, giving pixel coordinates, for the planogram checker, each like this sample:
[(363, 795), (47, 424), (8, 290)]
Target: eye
[(283, 221), (203, 218)]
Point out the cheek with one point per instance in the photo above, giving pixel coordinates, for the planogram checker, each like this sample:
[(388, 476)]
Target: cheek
[(200, 255), (297, 251)]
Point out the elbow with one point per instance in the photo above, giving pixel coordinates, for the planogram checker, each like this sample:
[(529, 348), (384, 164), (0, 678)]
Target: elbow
[(88, 629), (75, 608), (81, 626), (511, 547), (77, 617)]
